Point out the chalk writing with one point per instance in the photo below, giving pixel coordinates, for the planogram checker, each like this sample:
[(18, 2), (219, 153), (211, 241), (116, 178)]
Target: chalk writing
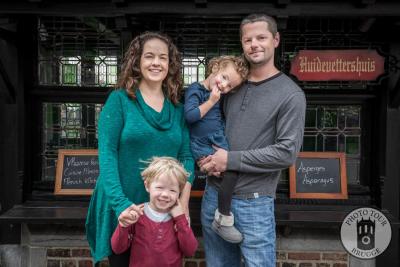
[(80, 171)]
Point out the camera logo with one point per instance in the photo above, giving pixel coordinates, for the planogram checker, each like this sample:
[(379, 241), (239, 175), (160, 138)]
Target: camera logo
[(365, 233)]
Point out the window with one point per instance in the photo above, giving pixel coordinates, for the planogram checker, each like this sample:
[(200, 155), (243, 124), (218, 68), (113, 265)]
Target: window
[(335, 128), (70, 71), (194, 70), (106, 70), (78, 51), (77, 64), (67, 126), (102, 71)]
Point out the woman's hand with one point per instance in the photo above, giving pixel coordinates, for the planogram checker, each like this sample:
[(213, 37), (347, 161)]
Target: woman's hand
[(130, 215)]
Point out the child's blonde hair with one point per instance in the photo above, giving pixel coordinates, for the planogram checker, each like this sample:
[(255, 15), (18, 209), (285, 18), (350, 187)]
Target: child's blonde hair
[(165, 166), (239, 63)]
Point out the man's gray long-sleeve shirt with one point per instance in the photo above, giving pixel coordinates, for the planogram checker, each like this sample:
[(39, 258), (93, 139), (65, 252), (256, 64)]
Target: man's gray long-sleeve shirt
[(264, 126)]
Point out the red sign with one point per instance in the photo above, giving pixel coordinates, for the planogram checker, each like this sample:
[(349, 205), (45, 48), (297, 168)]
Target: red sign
[(337, 65)]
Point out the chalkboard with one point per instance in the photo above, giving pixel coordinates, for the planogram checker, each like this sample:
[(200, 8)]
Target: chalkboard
[(77, 172), (319, 175)]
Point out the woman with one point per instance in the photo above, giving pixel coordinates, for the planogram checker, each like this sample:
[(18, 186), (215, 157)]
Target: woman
[(141, 119)]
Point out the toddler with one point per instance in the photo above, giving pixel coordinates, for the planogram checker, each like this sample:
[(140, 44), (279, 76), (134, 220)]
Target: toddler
[(206, 125), (162, 235)]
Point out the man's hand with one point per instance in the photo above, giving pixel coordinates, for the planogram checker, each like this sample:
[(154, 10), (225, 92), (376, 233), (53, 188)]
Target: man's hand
[(214, 164), (130, 215), (220, 158)]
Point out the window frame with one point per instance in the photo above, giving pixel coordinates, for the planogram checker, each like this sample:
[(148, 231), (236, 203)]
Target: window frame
[(36, 188), (365, 99)]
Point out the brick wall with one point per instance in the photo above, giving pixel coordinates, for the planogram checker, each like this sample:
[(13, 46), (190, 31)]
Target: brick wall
[(80, 257), (66, 246), (312, 259), (69, 257)]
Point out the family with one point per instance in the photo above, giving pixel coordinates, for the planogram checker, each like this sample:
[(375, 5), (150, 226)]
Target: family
[(242, 125)]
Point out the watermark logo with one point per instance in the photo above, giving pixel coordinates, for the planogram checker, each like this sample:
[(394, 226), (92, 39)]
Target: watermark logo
[(365, 233)]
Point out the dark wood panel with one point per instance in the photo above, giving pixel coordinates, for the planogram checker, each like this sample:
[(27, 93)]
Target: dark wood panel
[(286, 215), (331, 8)]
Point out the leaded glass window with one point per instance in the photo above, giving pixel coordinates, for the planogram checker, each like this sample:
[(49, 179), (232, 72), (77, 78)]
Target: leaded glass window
[(71, 120), (78, 51), (106, 70), (103, 71), (193, 70), (69, 126), (335, 129), (70, 71)]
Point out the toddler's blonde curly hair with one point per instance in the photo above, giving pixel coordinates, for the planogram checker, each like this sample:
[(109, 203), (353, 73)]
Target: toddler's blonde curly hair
[(239, 63)]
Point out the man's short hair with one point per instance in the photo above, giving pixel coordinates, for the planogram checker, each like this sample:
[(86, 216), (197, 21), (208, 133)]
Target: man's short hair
[(271, 22)]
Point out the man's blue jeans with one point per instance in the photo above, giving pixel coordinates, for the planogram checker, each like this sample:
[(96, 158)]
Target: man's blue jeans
[(254, 218)]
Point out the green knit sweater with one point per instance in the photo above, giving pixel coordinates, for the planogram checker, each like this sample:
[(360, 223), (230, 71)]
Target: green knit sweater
[(129, 133)]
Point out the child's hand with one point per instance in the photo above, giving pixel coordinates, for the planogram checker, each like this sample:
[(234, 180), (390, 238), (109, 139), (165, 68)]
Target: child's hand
[(215, 94), (176, 209), (130, 215)]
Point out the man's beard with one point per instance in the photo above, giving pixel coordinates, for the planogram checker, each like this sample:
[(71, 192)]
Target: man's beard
[(258, 62)]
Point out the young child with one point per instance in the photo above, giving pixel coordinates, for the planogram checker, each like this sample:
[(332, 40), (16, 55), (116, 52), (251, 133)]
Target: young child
[(206, 125), (162, 235)]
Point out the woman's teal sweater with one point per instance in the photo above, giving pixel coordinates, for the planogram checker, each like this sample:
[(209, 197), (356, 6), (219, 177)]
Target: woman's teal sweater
[(130, 132)]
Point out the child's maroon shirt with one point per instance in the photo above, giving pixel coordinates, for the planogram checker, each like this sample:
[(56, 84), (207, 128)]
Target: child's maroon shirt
[(161, 244)]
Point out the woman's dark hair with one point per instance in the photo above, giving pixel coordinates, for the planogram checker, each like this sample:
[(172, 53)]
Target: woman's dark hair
[(130, 75)]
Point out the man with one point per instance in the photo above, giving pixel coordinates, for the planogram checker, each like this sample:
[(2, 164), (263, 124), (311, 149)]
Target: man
[(264, 126)]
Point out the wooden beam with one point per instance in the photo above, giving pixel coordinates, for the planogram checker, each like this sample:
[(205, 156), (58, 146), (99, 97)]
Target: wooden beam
[(121, 22), (282, 3), (282, 22), (295, 9), (96, 24), (366, 24), (118, 3), (9, 86), (364, 3), (395, 96), (8, 36), (200, 3), (367, 2)]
